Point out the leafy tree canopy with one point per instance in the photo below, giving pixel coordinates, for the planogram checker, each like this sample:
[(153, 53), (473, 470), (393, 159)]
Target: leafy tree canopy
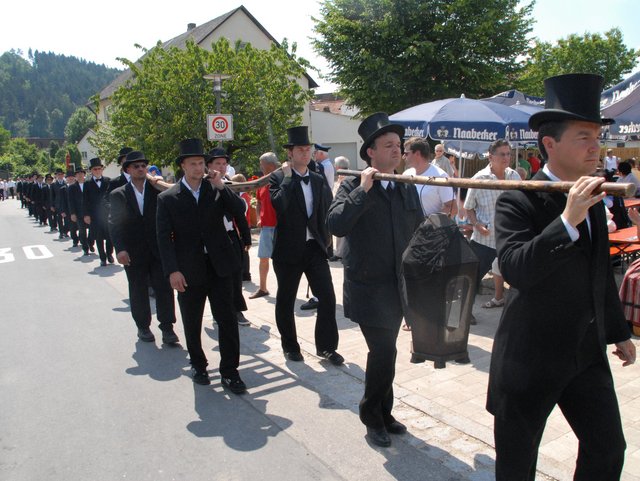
[(79, 122), (593, 53), (391, 54), (168, 100)]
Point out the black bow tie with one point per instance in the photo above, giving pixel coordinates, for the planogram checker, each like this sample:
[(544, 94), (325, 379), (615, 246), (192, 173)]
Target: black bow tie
[(304, 179)]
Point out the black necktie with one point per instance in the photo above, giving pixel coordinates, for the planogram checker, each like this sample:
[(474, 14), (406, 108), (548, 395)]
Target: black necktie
[(390, 187)]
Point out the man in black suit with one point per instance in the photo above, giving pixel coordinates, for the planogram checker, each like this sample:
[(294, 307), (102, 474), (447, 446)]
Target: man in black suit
[(70, 227), (132, 225), (124, 177), (197, 256), (563, 309), (75, 194), (238, 231), (377, 220), (95, 208), (57, 203), (301, 199)]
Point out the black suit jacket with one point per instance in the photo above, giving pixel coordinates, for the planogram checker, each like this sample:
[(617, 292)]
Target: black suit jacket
[(186, 228), (57, 199), (94, 199), (288, 201), (377, 227), (74, 195), (130, 230), (557, 288)]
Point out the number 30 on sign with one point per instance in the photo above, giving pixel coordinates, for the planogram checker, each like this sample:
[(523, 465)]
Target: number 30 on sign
[(219, 127)]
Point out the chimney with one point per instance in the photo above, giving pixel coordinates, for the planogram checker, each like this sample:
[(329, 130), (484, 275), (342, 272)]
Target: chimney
[(190, 26)]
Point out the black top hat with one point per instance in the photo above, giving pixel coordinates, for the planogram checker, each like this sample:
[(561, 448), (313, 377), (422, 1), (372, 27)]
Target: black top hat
[(191, 148), (217, 153), (574, 96), (373, 127), (123, 152), (95, 162), (70, 173), (59, 171), (324, 148), (297, 136), (133, 156)]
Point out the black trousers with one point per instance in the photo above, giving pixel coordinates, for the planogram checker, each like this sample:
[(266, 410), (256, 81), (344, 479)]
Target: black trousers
[(485, 256), (590, 406), (377, 402), (140, 276), (72, 228), (219, 291), (238, 299), (316, 268), (98, 231), (83, 234)]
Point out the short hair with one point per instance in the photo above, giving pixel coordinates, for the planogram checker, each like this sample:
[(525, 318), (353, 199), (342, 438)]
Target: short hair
[(553, 129), (632, 162), (521, 172), (496, 144), (342, 162), (418, 144), (624, 167), (270, 158), (238, 178)]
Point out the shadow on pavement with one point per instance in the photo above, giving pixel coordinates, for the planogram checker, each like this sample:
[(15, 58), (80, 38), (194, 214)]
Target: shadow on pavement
[(164, 363)]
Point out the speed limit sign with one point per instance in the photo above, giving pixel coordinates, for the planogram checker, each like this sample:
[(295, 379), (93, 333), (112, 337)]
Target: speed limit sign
[(219, 127)]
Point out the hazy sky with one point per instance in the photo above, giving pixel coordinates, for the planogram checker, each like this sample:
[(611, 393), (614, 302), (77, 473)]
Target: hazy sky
[(102, 32)]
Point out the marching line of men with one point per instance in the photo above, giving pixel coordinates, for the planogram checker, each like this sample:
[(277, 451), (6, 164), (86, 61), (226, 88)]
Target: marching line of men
[(539, 235)]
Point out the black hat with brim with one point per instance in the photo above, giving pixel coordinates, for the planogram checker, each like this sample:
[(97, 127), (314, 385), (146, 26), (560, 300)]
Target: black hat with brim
[(70, 173), (573, 96), (81, 170), (191, 148), (373, 127), (217, 153), (324, 148), (123, 153), (297, 136), (133, 156), (95, 162)]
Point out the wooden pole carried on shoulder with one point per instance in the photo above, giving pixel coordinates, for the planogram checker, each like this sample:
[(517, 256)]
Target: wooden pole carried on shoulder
[(611, 188)]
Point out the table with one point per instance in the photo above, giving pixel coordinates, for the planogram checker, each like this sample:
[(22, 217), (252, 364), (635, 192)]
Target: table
[(632, 202), (624, 242)]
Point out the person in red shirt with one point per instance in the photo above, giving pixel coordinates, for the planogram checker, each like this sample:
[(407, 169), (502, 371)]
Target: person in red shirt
[(267, 222), (534, 162)]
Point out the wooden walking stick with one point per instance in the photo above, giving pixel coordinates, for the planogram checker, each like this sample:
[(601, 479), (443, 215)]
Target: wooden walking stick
[(611, 188)]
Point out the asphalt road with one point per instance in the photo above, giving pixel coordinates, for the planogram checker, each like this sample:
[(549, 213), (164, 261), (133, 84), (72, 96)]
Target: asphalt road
[(82, 399)]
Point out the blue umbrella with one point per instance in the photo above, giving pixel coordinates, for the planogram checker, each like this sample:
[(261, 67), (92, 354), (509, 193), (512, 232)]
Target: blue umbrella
[(622, 103), (472, 124), (512, 97)]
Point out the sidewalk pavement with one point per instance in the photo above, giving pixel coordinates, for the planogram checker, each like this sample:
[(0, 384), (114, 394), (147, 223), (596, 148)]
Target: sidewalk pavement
[(455, 396)]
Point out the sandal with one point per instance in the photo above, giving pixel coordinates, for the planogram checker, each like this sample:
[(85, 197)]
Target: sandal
[(493, 303)]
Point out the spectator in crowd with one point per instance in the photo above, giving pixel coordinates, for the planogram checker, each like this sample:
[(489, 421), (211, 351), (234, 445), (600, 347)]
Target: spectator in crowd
[(440, 160), (267, 222), (626, 176), (610, 161), (534, 162)]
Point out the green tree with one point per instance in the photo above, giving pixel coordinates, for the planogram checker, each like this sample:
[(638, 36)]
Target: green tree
[(79, 122), (593, 53), (391, 54), (168, 100), (23, 153), (5, 138)]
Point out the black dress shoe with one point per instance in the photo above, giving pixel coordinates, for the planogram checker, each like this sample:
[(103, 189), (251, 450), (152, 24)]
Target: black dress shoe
[(310, 304), (92, 249), (294, 356), (110, 259), (396, 427), (169, 337), (146, 335), (242, 321), (200, 377), (234, 384), (379, 437), (103, 263), (332, 356)]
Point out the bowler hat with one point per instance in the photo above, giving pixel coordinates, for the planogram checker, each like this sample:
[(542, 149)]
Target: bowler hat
[(217, 153), (190, 148), (324, 148), (59, 171), (81, 170), (123, 152), (297, 136), (373, 127), (48, 176), (70, 173), (574, 96), (133, 156), (95, 162)]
